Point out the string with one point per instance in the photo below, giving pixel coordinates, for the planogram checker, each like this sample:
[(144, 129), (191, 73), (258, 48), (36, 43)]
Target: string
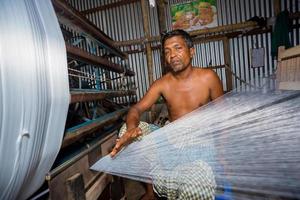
[(247, 142)]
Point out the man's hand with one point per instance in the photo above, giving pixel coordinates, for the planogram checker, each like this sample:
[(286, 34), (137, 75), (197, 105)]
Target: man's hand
[(125, 139)]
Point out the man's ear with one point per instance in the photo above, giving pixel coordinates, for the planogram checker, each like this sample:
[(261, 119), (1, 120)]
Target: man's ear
[(192, 51)]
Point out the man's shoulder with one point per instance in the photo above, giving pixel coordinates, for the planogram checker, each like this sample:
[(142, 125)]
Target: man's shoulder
[(204, 71), (161, 82), (165, 78)]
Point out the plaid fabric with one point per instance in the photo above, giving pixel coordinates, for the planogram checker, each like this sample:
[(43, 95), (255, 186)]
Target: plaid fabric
[(144, 126), (194, 181)]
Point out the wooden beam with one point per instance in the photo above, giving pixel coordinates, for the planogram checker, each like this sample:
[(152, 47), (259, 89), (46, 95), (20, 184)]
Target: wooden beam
[(161, 6), (79, 54), (216, 30), (216, 67), (147, 35), (142, 40), (94, 182), (90, 95), (145, 12), (108, 6), (86, 153), (225, 28), (75, 187), (219, 32), (292, 52), (70, 16), (98, 187), (227, 60), (276, 7), (75, 133)]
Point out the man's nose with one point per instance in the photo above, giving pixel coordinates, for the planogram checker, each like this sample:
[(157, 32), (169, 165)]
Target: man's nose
[(173, 53)]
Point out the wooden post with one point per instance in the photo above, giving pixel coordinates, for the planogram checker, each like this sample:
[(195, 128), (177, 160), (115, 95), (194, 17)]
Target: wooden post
[(227, 63), (75, 187), (144, 4), (277, 7), (147, 36), (162, 28)]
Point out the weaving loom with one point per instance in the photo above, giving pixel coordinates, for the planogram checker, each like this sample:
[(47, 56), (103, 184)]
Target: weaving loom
[(246, 141)]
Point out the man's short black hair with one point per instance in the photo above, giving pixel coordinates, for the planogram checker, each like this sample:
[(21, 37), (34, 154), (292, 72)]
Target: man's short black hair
[(177, 32)]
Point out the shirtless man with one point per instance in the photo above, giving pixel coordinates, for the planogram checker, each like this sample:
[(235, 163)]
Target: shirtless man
[(184, 88)]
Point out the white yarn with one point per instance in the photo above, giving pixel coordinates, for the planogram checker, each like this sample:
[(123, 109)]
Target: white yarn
[(250, 140), (34, 94)]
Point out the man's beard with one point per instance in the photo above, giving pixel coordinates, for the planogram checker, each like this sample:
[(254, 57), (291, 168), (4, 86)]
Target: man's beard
[(178, 66)]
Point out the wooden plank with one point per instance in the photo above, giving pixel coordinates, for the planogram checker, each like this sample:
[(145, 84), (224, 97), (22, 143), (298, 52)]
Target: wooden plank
[(79, 54), (289, 85), (90, 151), (68, 15), (57, 185), (75, 187), (89, 95), (75, 133), (288, 68), (80, 164), (108, 6), (95, 191), (288, 53), (97, 188), (221, 30)]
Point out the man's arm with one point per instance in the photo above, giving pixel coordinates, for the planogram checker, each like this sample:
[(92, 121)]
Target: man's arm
[(133, 116), (151, 96), (215, 85)]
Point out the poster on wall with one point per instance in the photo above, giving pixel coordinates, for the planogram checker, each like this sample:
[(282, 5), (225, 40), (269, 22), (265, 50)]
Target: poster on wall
[(194, 15), (257, 57)]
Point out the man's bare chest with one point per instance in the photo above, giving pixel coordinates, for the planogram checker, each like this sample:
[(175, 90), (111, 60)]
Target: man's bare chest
[(187, 97)]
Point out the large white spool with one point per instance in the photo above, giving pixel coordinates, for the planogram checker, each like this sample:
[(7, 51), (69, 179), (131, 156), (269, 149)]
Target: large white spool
[(34, 94)]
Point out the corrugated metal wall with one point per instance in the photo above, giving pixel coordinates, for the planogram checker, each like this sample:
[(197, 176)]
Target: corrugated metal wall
[(124, 22)]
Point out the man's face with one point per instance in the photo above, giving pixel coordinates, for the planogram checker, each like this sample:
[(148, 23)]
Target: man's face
[(177, 54)]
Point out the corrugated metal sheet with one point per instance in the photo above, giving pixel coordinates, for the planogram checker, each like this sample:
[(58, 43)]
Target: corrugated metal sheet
[(124, 23)]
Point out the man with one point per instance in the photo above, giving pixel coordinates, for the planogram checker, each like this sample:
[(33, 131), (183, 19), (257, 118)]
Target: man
[(184, 88)]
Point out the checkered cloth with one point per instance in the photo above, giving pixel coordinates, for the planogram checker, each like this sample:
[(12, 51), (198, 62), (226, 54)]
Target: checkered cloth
[(191, 181), (144, 126), (185, 182)]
